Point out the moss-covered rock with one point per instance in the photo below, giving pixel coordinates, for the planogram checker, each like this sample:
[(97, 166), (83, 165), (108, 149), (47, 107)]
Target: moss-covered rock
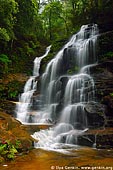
[(105, 46), (12, 85)]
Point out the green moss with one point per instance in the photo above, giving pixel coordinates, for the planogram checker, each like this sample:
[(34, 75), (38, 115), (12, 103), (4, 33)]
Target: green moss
[(105, 46), (73, 70), (4, 63), (11, 90), (111, 94), (106, 56)]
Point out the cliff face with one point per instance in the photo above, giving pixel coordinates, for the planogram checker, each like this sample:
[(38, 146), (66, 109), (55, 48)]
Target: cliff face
[(100, 114), (103, 72)]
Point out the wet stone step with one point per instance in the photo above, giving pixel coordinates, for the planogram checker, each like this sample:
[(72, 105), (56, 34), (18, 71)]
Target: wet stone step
[(100, 139)]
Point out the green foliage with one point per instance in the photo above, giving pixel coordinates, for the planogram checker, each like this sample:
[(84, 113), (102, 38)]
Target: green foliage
[(4, 64), (2, 92), (13, 89), (8, 150), (105, 47), (73, 70), (109, 54), (111, 94), (13, 94), (17, 144), (4, 35), (4, 59), (8, 9), (54, 22), (28, 18)]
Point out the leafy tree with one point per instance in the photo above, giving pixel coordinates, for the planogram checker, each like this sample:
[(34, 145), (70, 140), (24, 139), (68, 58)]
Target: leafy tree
[(8, 9), (4, 61), (88, 11), (28, 18), (53, 21)]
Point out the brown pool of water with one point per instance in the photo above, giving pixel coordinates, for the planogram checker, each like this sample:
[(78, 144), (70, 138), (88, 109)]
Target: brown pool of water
[(84, 158)]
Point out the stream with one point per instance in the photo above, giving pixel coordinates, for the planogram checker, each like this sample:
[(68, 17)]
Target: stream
[(82, 158)]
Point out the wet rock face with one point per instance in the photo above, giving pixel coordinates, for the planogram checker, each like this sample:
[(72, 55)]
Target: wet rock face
[(100, 113), (86, 140), (8, 106), (103, 77), (104, 141), (95, 114), (108, 101), (100, 138)]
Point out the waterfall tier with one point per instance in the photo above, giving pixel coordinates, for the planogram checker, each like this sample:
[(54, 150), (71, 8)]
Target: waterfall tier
[(66, 87), (23, 108)]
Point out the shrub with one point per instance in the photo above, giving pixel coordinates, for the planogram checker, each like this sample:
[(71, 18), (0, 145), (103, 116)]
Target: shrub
[(8, 150)]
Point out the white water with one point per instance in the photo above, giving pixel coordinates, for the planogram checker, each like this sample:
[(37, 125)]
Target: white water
[(63, 95), (23, 110), (37, 62)]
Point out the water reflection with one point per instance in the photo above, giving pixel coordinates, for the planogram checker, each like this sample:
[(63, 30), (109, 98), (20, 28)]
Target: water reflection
[(39, 159)]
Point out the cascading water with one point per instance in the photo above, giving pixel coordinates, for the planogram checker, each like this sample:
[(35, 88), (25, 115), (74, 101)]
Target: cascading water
[(23, 107), (66, 87)]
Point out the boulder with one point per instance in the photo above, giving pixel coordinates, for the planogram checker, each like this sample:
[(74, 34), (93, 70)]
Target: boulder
[(86, 140), (12, 130)]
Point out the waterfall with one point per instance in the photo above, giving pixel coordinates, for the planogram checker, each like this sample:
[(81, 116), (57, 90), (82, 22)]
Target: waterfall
[(23, 108), (37, 62), (66, 87)]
